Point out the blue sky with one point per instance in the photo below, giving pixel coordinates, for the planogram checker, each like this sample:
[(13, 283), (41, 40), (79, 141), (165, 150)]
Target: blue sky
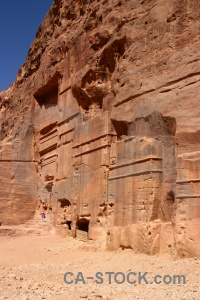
[(19, 21)]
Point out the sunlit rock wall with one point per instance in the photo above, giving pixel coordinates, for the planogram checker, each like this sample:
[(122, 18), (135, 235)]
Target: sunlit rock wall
[(101, 127)]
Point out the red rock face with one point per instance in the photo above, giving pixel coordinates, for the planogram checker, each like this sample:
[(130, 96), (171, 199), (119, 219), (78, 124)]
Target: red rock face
[(101, 127)]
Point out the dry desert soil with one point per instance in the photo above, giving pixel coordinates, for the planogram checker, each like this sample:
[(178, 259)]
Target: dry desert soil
[(33, 268)]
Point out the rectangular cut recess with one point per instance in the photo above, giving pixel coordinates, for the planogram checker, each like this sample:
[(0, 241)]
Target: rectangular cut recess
[(47, 95)]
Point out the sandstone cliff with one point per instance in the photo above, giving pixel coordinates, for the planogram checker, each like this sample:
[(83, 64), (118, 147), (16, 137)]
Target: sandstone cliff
[(101, 127)]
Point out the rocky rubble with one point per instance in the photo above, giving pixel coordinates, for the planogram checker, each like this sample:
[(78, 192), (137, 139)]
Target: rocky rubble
[(38, 273)]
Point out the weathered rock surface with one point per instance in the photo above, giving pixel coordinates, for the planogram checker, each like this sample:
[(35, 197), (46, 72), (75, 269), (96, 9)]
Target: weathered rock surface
[(101, 128)]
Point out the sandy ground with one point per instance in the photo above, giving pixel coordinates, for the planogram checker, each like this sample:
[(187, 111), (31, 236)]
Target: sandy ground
[(34, 268)]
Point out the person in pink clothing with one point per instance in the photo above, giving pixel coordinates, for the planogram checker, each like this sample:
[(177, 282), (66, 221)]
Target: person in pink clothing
[(43, 216)]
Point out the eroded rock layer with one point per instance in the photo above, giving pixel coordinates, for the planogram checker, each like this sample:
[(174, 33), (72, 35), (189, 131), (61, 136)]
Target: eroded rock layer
[(101, 127)]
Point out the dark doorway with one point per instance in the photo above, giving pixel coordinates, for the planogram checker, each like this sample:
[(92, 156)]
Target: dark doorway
[(69, 225), (83, 224)]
